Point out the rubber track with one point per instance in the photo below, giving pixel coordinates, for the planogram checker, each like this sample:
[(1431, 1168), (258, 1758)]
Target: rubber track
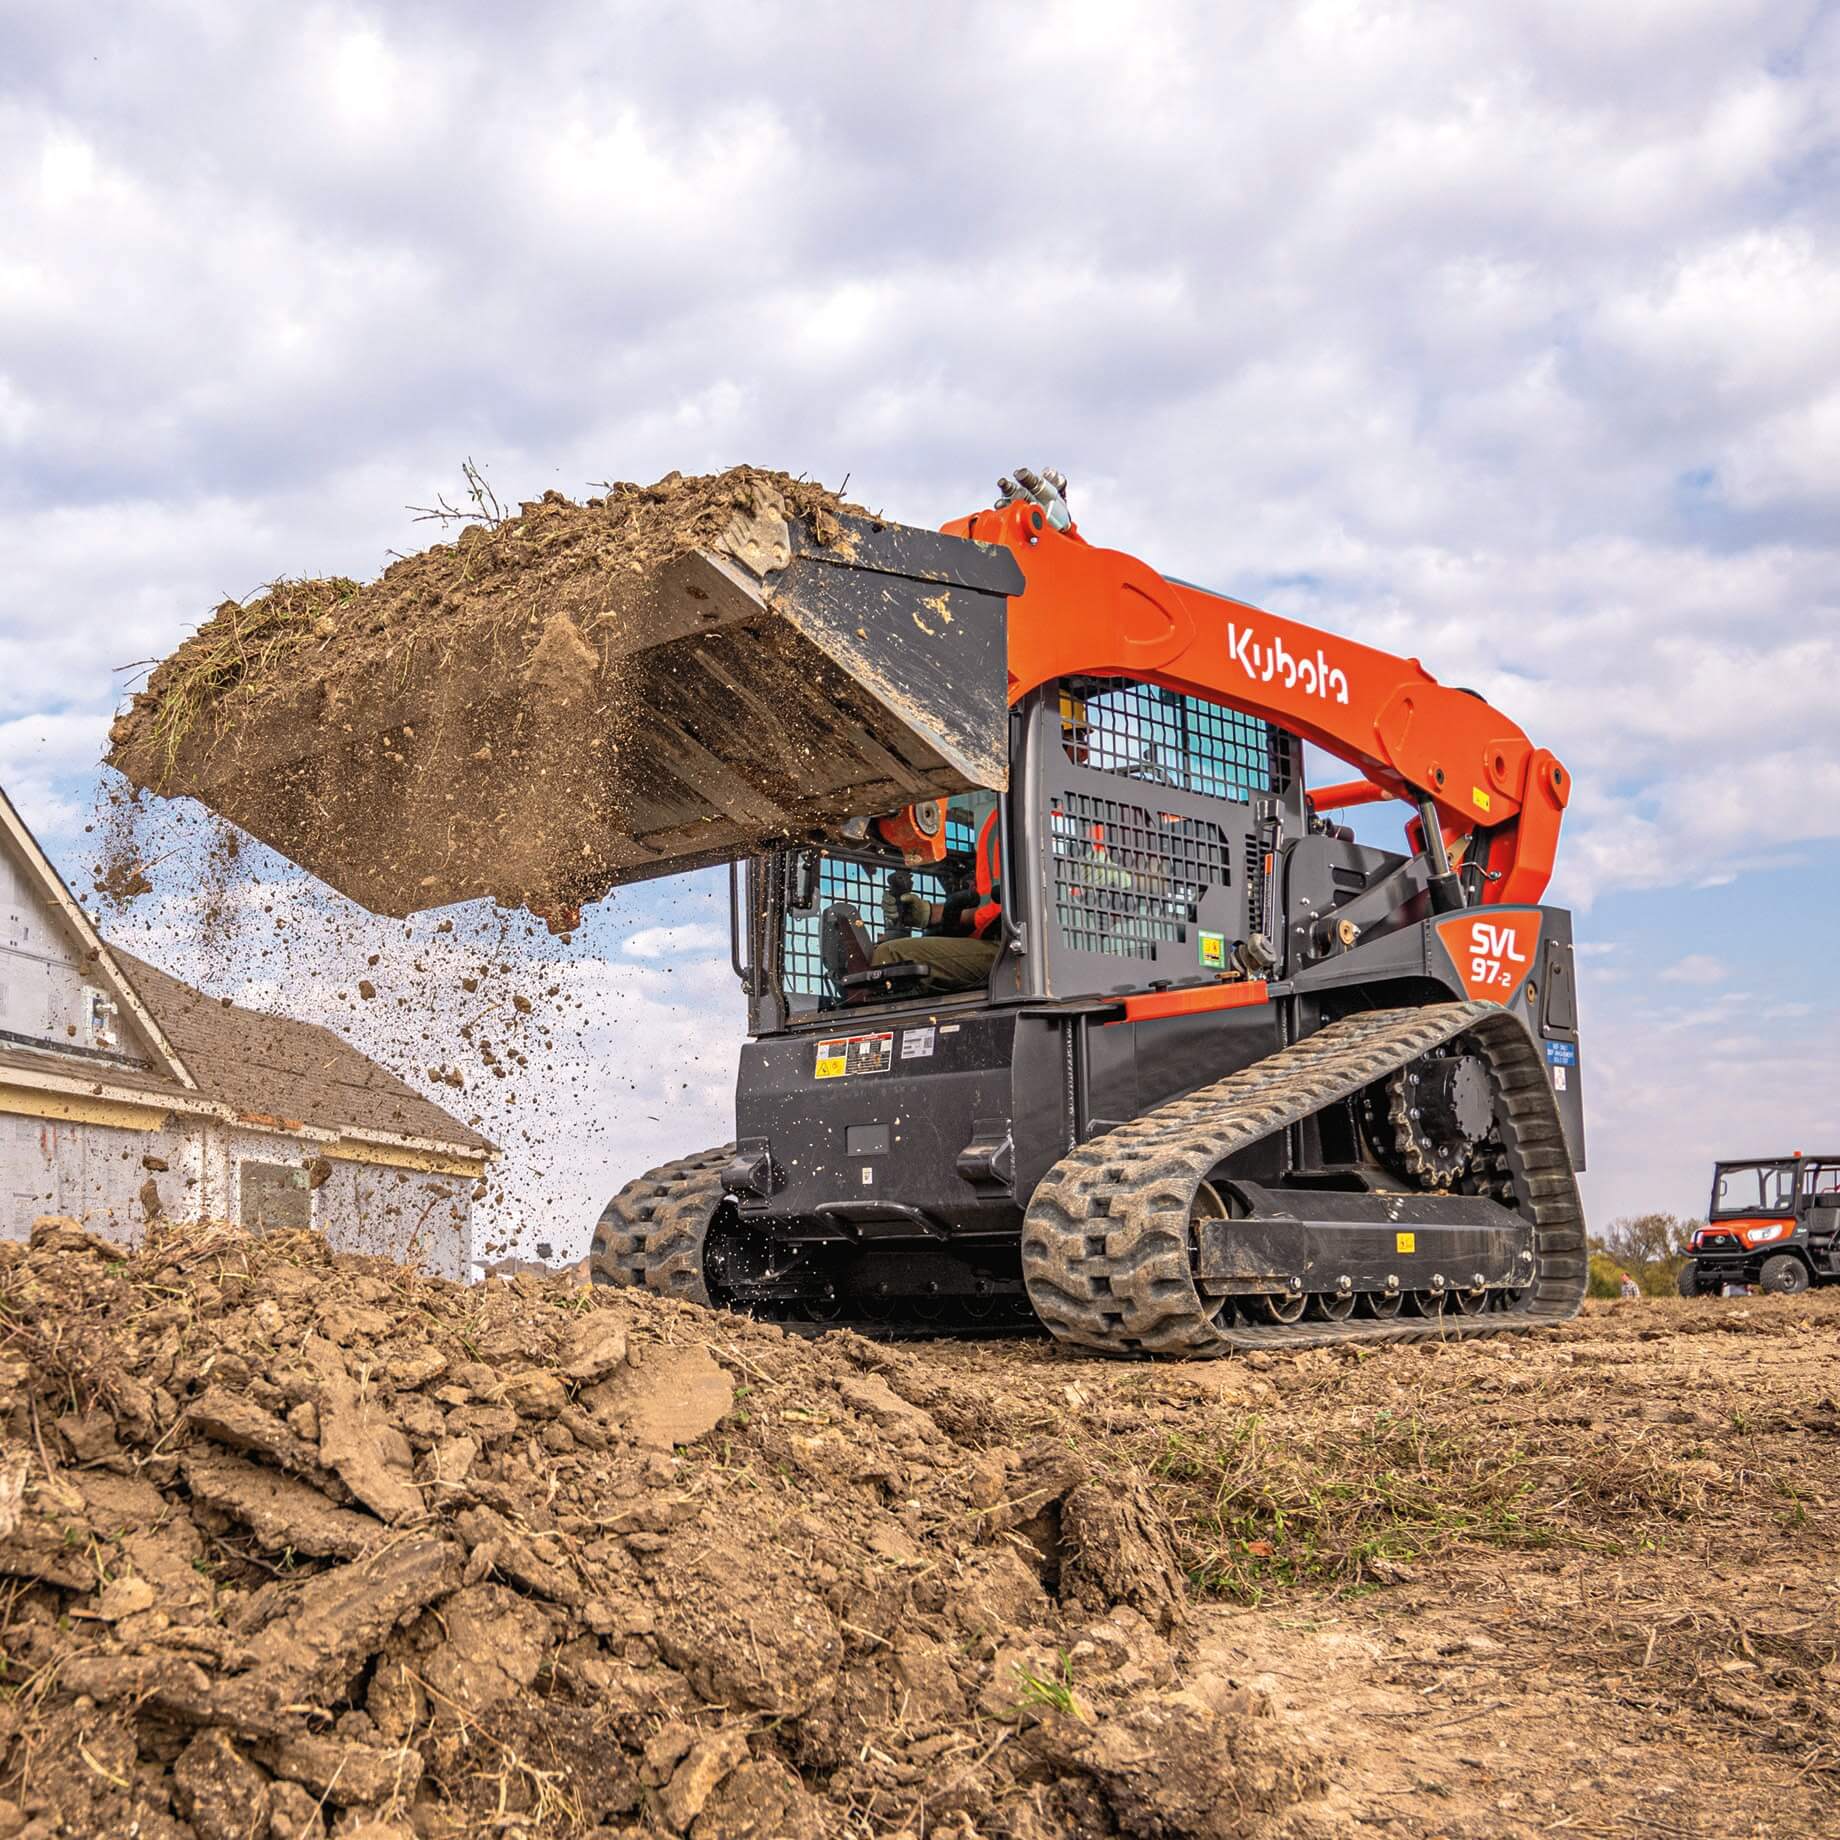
[(1105, 1241), (651, 1233)]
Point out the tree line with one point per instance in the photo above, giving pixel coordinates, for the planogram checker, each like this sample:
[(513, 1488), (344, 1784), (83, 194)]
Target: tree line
[(1651, 1248)]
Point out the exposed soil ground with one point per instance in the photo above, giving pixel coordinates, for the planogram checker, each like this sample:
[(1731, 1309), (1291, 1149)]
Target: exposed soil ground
[(1581, 1583), (292, 1544)]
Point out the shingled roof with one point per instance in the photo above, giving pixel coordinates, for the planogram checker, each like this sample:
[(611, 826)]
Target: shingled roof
[(274, 1069)]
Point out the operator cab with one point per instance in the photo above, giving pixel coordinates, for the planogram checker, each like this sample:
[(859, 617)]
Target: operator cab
[(887, 911), (1749, 1189), (1138, 855)]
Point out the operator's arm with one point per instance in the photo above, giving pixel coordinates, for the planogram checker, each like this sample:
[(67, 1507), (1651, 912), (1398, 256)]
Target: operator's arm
[(957, 913)]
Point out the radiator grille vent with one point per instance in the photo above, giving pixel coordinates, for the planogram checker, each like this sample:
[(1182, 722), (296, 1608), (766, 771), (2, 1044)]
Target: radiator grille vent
[(1127, 878)]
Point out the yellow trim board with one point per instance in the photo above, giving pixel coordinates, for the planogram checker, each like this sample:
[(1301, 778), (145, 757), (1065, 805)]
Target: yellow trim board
[(77, 1108), (428, 1161)]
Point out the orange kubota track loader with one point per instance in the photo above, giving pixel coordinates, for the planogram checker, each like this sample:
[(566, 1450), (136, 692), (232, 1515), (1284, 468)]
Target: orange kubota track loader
[(1087, 1011)]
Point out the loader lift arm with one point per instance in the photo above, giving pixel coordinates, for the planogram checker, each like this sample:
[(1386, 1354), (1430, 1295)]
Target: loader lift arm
[(1087, 611)]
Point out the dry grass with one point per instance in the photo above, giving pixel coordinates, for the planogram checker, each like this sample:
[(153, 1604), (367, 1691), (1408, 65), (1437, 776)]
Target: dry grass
[(1367, 1504), (1352, 1497), (243, 646)]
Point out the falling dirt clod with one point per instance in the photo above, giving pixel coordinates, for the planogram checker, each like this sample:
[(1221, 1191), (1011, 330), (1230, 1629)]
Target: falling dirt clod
[(572, 696)]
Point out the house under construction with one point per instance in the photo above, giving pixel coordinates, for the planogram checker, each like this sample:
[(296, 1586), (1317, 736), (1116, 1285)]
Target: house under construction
[(125, 1093)]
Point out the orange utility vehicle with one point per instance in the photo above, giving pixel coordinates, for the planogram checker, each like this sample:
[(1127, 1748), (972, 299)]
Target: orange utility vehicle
[(1773, 1222), (1069, 999)]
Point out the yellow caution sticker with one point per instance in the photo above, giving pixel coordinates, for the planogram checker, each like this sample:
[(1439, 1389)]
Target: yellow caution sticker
[(1479, 798), (1405, 1242), (847, 1056)]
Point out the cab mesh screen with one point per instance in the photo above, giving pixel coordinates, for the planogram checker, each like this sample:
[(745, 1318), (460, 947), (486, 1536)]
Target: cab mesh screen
[(1144, 732), (1127, 879), (841, 878)]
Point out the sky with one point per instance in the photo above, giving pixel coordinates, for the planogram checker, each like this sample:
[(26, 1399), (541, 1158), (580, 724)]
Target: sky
[(1506, 338)]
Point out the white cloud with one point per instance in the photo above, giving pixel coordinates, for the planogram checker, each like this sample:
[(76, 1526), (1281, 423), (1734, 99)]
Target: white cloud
[(1668, 1092), (1503, 338), (43, 758), (1695, 968), (680, 943)]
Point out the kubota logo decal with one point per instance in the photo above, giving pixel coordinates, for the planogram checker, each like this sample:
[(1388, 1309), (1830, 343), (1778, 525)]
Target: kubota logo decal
[(1493, 955), (1263, 661)]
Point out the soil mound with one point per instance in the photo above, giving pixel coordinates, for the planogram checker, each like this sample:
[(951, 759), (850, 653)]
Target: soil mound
[(296, 1544), (454, 728)]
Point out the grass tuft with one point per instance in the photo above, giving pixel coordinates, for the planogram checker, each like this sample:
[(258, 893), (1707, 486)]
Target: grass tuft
[(244, 645)]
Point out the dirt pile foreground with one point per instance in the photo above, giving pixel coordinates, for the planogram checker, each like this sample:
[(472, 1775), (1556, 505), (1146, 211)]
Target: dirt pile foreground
[(296, 1544), (455, 727)]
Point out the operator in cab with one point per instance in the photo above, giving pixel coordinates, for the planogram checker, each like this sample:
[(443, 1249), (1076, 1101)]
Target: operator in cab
[(958, 938)]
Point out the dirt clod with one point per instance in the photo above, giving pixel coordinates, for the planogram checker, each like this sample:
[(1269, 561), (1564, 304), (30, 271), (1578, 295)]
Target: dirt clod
[(672, 1397), (222, 1794), (709, 1761)]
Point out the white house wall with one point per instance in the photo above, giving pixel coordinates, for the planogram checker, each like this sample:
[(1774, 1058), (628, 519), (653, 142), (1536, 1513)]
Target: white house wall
[(95, 1173), (42, 981), (404, 1214)]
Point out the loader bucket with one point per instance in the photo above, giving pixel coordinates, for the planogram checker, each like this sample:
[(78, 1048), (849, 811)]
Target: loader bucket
[(756, 690)]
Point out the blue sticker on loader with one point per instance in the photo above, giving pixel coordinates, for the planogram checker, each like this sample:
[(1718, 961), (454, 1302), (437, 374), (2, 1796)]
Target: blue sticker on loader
[(1562, 1053)]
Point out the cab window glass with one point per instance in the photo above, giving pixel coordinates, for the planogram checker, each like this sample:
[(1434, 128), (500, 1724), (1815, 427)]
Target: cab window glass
[(1756, 1187), (965, 815)]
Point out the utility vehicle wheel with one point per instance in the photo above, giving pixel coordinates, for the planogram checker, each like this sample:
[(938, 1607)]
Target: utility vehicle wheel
[(1688, 1281), (1784, 1274), (674, 1230)]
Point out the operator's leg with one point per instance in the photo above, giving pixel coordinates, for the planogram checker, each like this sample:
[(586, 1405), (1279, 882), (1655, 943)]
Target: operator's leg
[(951, 964)]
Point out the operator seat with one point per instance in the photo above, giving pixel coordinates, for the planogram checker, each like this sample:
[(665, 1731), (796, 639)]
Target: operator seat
[(852, 973), (843, 945)]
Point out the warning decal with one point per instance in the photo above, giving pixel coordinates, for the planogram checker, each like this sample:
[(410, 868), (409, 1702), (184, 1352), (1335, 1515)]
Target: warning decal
[(1493, 955), (845, 1055), (1213, 951)]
